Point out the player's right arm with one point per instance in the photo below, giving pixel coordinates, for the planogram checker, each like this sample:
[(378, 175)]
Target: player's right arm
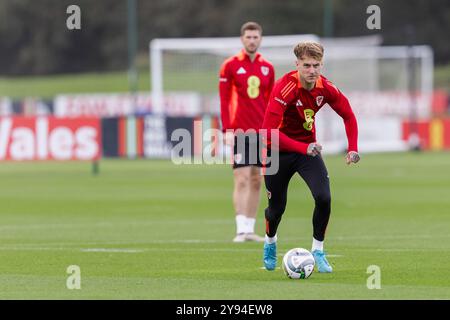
[(281, 96), (225, 87)]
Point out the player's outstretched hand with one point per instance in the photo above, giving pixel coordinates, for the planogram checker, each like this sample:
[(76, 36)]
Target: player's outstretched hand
[(352, 157), (313, 149)]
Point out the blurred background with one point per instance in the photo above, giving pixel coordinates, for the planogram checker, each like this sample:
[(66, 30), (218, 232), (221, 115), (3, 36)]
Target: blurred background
[(113, 66)]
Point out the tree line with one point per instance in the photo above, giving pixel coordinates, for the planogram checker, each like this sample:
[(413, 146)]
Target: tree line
[(34, 38)]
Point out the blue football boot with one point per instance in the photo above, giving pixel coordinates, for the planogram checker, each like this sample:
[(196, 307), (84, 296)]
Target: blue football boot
[(270, 255), (321, 261)]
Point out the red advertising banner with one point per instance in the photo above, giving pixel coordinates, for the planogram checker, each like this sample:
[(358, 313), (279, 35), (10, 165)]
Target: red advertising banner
[(434, 134), (49, 138)]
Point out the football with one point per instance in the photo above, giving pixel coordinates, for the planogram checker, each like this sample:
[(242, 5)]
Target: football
[(298, 263)]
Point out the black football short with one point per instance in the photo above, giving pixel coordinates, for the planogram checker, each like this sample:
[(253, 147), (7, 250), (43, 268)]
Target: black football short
[(247, 150)]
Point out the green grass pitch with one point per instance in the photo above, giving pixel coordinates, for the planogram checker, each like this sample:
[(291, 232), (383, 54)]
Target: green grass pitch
[(111, 82), (152, 230)]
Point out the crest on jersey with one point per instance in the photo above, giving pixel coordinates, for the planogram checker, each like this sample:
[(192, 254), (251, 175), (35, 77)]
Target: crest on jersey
[(265, 70), (319, 100), (269, 194)]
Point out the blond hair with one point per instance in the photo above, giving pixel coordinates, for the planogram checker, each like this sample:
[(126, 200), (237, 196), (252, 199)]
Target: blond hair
[(309, 48)]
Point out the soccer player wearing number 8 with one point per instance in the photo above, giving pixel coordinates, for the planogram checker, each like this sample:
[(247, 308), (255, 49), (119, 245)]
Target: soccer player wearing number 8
[(246, 81), (294, 102)]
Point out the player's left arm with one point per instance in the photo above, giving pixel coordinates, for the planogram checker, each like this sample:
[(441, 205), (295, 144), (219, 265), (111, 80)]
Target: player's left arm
[(340, 104)]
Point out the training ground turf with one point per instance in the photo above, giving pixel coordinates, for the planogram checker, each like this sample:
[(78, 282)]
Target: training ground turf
[(153, 230)]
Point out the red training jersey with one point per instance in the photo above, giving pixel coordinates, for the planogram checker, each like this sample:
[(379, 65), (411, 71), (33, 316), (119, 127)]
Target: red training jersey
[(292, 110), (244, 89)]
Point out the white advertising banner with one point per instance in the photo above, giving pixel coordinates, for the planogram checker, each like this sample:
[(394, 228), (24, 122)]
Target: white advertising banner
[(117, 105), (390, 103), (375, 133)]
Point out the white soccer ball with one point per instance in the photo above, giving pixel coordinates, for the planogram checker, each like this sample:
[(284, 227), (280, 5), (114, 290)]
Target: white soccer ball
[(298, 263)]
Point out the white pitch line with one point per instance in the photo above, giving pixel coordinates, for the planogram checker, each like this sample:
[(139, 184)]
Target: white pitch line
[(390, 237), (112, 250), (35, 249), (224, 241), (107, 250), (409, 249), (140, 250), (125, 250), (108, 224)]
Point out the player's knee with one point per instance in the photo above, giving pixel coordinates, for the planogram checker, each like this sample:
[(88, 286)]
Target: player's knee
[(323, 198), (255, 182), (274, 212), (242, 182)]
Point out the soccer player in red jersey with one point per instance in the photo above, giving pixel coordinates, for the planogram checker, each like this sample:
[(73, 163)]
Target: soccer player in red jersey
[(294, 102), (246, 81)]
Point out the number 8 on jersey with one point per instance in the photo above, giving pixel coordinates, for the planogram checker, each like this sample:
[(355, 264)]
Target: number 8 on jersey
[(253, 83)]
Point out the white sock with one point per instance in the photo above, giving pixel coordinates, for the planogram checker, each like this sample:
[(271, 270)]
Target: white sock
[(317, 245), (250, 224), (241, 223), (271, 240)]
